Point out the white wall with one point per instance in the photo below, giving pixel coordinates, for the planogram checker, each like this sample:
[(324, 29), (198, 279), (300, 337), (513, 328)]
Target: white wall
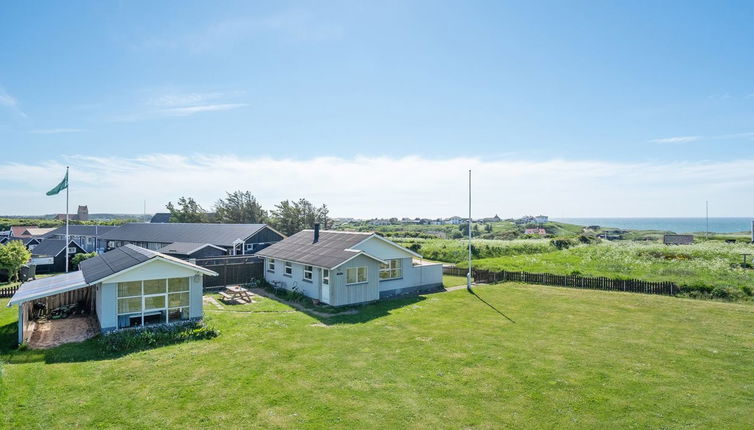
[(309, 289)]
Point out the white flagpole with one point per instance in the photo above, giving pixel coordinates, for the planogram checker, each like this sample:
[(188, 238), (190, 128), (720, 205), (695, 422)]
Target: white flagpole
[(468, 275), (67, 186)]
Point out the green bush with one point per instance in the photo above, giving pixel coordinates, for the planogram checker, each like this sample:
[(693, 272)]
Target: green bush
[(137, 339), (562, 243)]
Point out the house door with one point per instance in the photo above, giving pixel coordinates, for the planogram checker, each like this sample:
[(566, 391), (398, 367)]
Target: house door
[(324, 286)]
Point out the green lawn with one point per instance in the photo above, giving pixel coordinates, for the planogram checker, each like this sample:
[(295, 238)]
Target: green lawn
[(514, 356)]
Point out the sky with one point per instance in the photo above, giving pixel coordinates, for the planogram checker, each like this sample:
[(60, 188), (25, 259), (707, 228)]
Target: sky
[(379, 109)]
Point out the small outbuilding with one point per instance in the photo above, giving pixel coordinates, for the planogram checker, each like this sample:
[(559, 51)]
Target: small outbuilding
[(126, 287), (186, 250), (49, 255)]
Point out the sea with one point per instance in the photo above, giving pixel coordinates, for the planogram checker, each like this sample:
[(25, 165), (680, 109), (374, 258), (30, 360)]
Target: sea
[(677, 225)]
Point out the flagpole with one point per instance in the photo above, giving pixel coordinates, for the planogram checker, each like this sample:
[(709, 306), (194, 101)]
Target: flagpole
[(68, 182), (468, 275)]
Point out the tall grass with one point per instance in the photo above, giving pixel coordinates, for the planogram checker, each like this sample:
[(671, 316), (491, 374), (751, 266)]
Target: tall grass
[(455, 251)]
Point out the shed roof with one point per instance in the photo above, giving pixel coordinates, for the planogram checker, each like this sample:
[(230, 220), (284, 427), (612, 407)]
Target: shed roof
[(331, 250), (216, 234), (51, 247), (44, 287), (185, 248)]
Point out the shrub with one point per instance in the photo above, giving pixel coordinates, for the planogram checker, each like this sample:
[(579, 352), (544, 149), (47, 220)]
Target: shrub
[(562, 243), (137, 339)]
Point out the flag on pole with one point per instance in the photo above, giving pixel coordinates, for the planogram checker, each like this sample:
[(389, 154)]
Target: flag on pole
[(60, 187)]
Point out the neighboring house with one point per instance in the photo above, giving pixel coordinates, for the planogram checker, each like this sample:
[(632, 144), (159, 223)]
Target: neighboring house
[(161, 217), (82, 214), (186, 250), (25, 231), (235, 239), (343, 268), (49, 255), (678, 239), (87, 236), (126, 287), (455, 220), (29, 242)]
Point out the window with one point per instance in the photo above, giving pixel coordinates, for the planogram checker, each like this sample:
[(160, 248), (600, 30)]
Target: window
[(271, 265), (288, 268), (356, 275), (391, 270), (71, 249), (325, 277), (308, 273), (153, 301), (249, 247)]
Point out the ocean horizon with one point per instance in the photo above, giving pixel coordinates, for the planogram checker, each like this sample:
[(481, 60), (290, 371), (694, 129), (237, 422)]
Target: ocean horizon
[(677, 225)]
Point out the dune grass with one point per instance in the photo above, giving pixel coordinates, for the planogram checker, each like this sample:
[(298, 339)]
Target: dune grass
[(510, 355)]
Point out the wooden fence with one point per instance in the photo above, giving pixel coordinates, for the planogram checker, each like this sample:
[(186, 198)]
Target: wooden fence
[(8, 291), (571, 281), (231, 270)]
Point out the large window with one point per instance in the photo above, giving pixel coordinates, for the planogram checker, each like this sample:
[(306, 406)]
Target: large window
[(153, 301), (271, 265), (288, 268), (356, 275), (325, 277), (391, 270), (308, 273)]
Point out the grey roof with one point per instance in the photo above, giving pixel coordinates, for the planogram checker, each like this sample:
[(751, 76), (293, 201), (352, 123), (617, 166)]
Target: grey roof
[(83, 230), (122, 258), (331, 250), (183, 248), (51, 247), (160, 217), (92, 271), (216, 234)]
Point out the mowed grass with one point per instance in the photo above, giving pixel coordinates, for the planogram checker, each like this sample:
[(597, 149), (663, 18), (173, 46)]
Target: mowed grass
[(508, 356)]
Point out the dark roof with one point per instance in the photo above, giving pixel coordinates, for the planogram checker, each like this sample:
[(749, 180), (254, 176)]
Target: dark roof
[(216, 234), (331, 250), (83, 230), (51, 247), (183, 248), (161, 217), (119, 259)]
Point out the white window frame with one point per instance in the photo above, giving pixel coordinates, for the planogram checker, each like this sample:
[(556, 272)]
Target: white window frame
[(358, 277), (167, 308), (308, 273), (325, 277), (72, 250), (392, 264), (271, 265), (288, 269)]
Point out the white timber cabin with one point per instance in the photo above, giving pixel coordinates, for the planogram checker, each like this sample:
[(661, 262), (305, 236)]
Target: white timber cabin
[(126, 287), (343, 268)]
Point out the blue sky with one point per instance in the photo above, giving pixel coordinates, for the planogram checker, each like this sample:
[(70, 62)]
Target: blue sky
[(667, 86)]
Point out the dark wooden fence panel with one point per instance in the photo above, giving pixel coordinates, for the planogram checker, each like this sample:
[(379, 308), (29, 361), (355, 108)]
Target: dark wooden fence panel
[(231, 270), (571, 281)]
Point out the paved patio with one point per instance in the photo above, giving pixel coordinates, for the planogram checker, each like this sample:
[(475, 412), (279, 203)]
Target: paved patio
[(51, 333)]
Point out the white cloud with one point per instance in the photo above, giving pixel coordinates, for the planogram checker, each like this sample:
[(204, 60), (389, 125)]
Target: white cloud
[(57, 131), (178, 104), (191, 110), (10, 102), (383, 186), (688, 139), (677, 139)]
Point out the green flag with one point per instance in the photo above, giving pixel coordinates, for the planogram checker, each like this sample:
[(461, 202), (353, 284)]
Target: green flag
[(60, 187)]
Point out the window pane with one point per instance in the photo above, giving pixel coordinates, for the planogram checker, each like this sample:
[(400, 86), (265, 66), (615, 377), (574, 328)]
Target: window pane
[(129, 305), (396, 264), (384, 266), (384, 274), (133, 320), (178, 284), (395, 273), (126, 289), (362, 274), (178, 299), (154, 286), (351, 276), (178, 314), (155, 302)]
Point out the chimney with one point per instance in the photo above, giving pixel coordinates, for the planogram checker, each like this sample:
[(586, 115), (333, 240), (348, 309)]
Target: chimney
[(316, 232)]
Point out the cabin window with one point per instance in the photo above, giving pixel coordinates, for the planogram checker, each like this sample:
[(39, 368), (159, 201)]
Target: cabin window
[(153, 301), (391, 270), (325, 277), (356, 275), (71, 249), (288, 268), (308, 273), (271, 265)]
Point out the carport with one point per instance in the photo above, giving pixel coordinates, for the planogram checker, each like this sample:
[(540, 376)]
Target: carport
[(55, 310)]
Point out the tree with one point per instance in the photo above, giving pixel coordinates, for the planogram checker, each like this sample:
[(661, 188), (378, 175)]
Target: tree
[(12, 257), (240, 207), (78, 258), (291, 217), (188, 211)]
